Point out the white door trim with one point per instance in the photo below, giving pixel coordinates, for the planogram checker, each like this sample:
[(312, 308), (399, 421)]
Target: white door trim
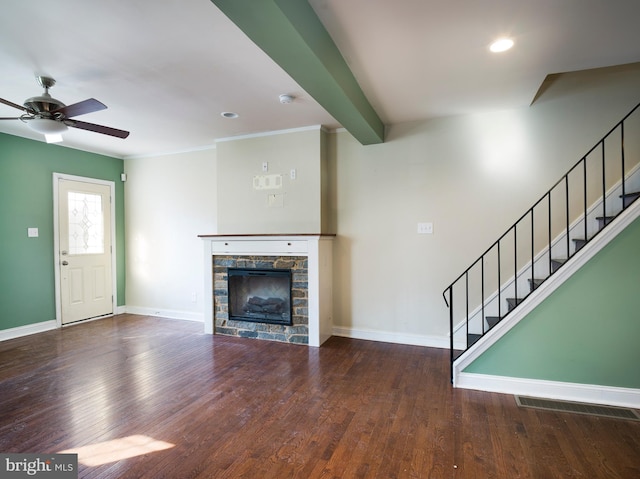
[(56, 245)]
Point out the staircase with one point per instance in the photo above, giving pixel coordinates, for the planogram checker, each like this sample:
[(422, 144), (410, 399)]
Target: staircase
[(576, 209)]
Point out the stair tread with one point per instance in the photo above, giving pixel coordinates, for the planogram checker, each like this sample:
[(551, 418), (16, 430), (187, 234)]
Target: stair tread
[(493, 320), (472, 339), (629, 198), (534, 283), (513, 303)]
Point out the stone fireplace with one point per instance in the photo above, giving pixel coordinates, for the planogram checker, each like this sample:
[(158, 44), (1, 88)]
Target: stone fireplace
[(232, 319), (305, 259)]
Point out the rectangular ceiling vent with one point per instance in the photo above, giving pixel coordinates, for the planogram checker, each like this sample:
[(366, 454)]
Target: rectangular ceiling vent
[(578, 408)]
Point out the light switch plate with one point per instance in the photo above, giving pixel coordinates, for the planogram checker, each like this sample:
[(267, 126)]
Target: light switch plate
[(425, 228), (32, 232)]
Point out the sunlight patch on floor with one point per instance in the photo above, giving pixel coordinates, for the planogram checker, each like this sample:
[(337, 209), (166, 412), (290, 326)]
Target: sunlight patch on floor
[(117, 449)]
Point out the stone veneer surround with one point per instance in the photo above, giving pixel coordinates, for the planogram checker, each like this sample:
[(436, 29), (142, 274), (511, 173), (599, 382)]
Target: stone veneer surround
[(315, 249), (298, 332)]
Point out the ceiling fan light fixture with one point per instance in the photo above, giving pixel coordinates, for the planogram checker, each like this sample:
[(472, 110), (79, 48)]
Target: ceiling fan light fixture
[(49, 116), (47, 126), (501, 45)]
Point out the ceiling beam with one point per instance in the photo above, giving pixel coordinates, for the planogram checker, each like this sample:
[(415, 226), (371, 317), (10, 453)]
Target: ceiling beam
[(290, 32)]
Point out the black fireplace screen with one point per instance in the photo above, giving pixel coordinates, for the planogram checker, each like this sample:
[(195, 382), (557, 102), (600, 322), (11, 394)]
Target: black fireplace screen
[(260, 295)]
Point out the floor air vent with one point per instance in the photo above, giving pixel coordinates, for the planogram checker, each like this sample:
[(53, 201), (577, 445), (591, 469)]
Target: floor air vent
[(578, 408)]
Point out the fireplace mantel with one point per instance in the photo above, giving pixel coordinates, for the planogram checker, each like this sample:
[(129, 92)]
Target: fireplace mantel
[(318, 248)]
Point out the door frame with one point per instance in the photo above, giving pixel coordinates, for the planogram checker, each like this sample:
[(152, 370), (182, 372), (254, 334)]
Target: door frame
[(56, 241)]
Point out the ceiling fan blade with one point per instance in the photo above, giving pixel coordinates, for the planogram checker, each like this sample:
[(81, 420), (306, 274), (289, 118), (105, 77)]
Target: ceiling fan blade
[(14, 105), (105, 130), (81, 108), (11, 118)]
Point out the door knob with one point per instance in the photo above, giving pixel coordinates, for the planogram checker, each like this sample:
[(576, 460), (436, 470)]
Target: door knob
[(65, 263)]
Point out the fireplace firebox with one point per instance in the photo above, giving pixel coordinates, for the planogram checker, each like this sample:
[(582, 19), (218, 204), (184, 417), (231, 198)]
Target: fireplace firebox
[(260, 295)]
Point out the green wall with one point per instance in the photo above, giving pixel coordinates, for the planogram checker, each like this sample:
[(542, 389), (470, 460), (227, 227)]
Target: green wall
[(27, 290), (587, 331)]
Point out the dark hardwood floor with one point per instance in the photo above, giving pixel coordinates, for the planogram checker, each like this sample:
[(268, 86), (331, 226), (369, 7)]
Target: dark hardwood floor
[(224, 407)]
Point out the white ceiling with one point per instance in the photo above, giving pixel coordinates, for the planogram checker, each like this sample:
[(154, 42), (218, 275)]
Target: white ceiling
[(167, 69)]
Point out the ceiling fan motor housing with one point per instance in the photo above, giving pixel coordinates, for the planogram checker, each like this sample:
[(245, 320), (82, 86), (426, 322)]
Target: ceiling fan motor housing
[(45, 103)]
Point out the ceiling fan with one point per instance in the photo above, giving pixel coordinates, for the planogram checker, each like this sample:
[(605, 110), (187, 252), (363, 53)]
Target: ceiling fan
[(51, 117)]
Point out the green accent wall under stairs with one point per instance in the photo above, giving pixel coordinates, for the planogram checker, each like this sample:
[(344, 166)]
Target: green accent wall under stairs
[(27, 278), (586, 331)]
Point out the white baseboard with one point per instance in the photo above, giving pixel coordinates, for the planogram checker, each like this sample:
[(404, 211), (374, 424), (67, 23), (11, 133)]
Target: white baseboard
[(28, 329), (389, 337), (586, 393), (52, 324), (165, 313)]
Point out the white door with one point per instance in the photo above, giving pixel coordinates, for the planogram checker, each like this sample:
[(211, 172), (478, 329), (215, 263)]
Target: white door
[(84, 228)]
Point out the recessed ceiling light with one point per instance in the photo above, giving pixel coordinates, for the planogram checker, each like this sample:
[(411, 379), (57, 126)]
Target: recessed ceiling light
[(501, 45), (229, 114)]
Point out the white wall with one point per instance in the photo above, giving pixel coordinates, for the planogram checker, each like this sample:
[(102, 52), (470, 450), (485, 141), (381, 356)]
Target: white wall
[(294, 207), (471, 176), (169, 200)]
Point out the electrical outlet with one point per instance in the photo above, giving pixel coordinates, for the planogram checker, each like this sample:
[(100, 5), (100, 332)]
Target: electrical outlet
[(293, 174)]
